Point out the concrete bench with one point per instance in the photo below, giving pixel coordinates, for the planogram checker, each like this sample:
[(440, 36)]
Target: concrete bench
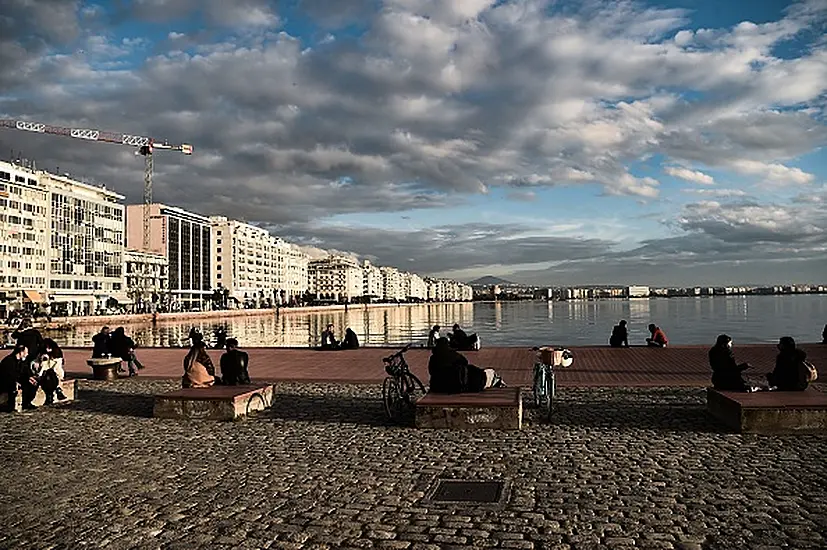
[(213, 403), (68, 386), (498, 408), (104, 368), (793, 412)]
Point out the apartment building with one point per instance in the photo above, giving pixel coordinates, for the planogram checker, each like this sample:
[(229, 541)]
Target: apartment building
[(292, 265), (637, 291), (372, 287), (415, 287), (147, 281), (86, 248), (24, 239), (335, 278), (184, 239), (392, 284), (245, 262)]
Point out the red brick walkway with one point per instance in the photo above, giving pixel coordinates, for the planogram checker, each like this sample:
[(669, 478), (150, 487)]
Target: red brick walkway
[(593, 366)]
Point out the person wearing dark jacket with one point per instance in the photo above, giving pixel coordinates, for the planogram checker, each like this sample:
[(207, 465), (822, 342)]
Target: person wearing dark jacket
[(329, 339), (460, 339), (620, 336), (100, 342), (726, 372), (121, 345), (234, 364), (450, 372), (15, 369), (433, 336), (789, 373), (26, 335), (351, 341)]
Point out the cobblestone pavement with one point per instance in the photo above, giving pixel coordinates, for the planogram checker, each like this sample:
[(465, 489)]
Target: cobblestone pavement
[(643, 468)]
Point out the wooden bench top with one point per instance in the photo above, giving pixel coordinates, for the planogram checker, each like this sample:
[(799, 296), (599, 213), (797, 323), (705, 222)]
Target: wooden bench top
[(492, 397), (214, 393), (808, 399)]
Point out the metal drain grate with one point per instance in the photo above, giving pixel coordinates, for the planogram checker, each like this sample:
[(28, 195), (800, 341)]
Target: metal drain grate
[(449, 490)]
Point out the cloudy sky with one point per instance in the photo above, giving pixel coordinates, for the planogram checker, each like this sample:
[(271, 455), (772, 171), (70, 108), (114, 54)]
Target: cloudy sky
[(557, 142)]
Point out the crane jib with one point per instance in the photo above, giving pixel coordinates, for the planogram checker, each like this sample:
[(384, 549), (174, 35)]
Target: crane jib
[(80, 133)]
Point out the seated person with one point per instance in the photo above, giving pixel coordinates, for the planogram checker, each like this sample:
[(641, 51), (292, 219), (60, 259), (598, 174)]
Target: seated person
[(726, 373), (199, 371), (351, 341), (450, 372), (234, 364), (27, 335), (121, 345), (433, 336), (15, 369), (50, 373), (101, 344), (620, 336), (329, 339), (459, 340), (658, 339), (789, 373)]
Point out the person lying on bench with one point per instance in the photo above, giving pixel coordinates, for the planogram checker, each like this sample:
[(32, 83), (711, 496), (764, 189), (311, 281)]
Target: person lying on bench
[(234, 365), (726, 373), (450, 372), (329, 339), (461, 341), (199, 371), (790, 373)]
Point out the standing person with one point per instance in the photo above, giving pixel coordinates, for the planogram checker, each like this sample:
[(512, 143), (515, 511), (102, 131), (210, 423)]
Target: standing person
[(789, 373), (658, 338), (726, 372), (433, 336), (329, 339), (15, 369), (121, 345), (620, 336), (51, 371), (199, 372), (234, 365), (101, 344)]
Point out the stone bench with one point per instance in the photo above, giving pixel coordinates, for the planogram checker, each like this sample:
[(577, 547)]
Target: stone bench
[(104, 368), (497, 408), (793, 412), (213, 403), (68, 386)]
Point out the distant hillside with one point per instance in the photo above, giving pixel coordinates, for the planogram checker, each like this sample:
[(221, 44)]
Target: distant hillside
[(489, 280)]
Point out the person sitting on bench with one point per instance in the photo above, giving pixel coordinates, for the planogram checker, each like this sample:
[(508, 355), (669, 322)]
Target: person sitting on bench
[(789, 373), (51, 372), (121, 345), (450, 372), (620, 336), (433, 336), (199, 371), (329, 339), (461, 341), (658, 339), (351, 341), (234, 364), (726, 373), (101, 344), (15, 369)]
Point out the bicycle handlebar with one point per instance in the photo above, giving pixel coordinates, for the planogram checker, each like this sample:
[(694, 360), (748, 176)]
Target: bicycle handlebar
[(399, 353)]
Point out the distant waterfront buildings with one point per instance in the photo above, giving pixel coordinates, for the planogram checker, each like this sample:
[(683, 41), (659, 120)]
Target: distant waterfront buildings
[(147, 281)]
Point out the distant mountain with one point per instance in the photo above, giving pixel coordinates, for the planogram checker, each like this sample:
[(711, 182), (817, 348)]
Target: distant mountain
[(489, 280)]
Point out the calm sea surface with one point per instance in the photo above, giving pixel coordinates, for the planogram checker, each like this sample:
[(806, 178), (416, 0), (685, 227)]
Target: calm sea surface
[(748, 319)]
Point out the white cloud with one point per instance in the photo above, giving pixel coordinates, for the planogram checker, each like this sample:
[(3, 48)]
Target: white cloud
[(694, 176), (773, 172)]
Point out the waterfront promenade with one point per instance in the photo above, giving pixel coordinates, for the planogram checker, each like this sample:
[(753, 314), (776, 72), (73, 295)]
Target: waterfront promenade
[(593, 366)]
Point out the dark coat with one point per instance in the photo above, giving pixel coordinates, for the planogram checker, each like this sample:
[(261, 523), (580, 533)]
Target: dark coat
[(11, 371), (121, 345), (234, 364), (450, 372), (33, 340), (619, 337), (351, 341), (101, 345), (726, 373), (789, 373)]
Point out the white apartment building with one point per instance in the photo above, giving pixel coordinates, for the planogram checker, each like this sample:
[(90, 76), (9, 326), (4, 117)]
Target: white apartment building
[(373, 287), (184, 238), (415, 287), (147, 280), (87, 244), (335, 278), (393, 289), (24, 239), (292, 280), (637, 291), (245, 262)]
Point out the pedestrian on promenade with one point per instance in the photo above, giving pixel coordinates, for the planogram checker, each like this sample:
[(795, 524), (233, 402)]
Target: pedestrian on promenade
[(121, 345), (15, 369), (100, 343), (234, 365), (199, 371), (620, 336), (726, 372), (450, 372), (790, 372), (51, 373), (433, 336), (329, 341), (658, 338)]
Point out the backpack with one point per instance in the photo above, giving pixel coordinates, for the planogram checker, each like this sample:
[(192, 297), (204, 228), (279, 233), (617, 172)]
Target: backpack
[(810, 374)]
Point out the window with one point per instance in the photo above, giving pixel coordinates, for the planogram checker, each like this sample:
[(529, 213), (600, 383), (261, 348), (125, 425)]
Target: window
[(19, 179), (218, 250), (32, 182), (5, 176)]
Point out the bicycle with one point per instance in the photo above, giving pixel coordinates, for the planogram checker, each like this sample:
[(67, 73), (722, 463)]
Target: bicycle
[(399, 390), (545, 384)]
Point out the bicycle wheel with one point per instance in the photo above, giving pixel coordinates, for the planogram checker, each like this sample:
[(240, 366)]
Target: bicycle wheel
[(414, 387), (549, 387), (391, 397), (539, 386)]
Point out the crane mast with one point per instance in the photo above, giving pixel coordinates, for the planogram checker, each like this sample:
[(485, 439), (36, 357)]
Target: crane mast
[(146, 146)]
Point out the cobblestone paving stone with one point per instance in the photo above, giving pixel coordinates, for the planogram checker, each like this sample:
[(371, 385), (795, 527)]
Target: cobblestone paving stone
[(642, 468)]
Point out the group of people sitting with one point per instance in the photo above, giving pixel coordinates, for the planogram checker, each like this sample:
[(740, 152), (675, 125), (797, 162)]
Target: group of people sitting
[(329, 341), (35, 362), (620, 336), (458, 339), (199, 371), (116, 344), (792, 372)]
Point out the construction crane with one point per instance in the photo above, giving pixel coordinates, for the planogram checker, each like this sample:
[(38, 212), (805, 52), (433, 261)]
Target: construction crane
[(145, 146)]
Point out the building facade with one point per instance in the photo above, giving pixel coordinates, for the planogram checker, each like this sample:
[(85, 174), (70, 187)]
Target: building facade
[(372, 286), (184, 238), (335, 279), (147, 281), (292, 266), (24, 239), (392, 284), (245, 262)]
